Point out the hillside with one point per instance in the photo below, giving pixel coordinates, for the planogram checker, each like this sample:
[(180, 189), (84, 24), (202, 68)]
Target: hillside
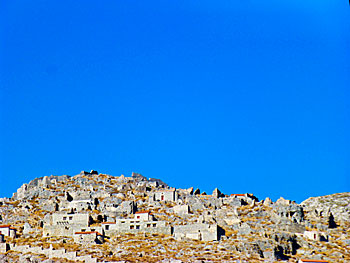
[(94, 217)]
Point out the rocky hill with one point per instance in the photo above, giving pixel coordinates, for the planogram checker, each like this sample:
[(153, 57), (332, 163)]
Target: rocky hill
[(94, 217)]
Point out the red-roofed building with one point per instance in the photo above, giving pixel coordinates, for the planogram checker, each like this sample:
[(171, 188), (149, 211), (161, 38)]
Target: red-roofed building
[(8, 231)]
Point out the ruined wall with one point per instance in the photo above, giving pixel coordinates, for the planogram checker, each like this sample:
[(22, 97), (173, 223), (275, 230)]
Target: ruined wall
[(68, 230), (133, 226), (4, 247), (88, 238), (52, 253), (205, 232), (70, 219)]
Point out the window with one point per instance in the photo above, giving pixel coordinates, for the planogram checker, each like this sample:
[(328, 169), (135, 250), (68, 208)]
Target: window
[(131, 222), (70, 218), (154, 225), (92, 230), (137, 227), (64, 218), (131, 227), (83, 230), (107, 227), (138, 217), (148, 225), (122, 222)]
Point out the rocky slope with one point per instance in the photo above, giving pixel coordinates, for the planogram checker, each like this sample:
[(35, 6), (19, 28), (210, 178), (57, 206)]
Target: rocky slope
[(250, 230)]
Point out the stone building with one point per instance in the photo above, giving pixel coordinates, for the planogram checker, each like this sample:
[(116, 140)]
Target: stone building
[(315, 235), (144, 216), (7, 231), (200, 231), (165, 195), (79, 205), (65, 224), (134, 226)]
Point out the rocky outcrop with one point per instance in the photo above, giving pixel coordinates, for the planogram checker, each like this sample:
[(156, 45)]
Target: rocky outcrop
[(246, 229), (328, 206)]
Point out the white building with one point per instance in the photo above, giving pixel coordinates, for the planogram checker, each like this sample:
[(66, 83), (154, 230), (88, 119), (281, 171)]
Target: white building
[(143, 216), (315, 235), (165, 195), (7, 231)]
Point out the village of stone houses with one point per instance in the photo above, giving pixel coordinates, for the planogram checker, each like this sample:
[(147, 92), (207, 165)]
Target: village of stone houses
[(94, 217)]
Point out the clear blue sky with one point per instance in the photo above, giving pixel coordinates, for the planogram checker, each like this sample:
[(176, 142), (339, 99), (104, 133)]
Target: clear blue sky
[(247, 96)]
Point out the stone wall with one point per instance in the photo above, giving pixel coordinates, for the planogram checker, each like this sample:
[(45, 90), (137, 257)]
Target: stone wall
[(4, 247), (67, 231), (204, 232), (63, 224), (88, 238), (52, 253), (70, 219), (77, 205), (134, 226)]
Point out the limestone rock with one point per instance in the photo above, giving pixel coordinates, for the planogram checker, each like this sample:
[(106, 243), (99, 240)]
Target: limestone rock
[(196, 192), (27, 228), (216, 193), (267, 201)]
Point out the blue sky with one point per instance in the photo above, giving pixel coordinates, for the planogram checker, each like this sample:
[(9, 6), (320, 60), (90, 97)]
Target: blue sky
[(247, 96)]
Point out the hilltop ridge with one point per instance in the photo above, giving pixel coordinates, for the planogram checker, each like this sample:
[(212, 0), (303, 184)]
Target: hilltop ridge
[(97, 217)]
